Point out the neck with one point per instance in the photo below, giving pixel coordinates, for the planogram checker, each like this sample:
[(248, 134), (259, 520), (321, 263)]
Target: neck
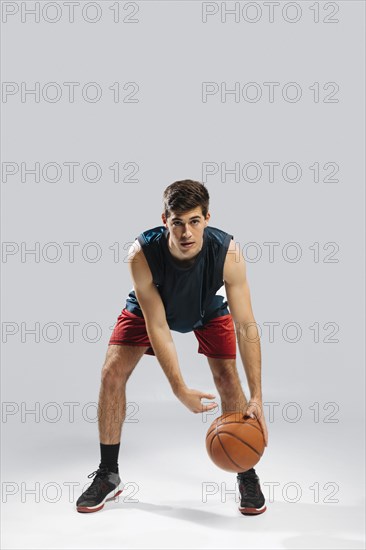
[(183, 262)]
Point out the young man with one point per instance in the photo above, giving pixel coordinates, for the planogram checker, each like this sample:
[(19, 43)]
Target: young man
[(177, 270)]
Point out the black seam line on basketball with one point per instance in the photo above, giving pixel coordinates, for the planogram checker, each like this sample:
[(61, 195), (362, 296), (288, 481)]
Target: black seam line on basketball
[(249, 424), (238, 438), (253, 426), (227, 414), (234, 422), (215, 427), (222, 416), (212, 440), (229, 457)]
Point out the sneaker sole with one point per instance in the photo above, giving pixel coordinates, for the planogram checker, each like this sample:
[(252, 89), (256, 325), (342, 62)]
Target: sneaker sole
[(88, 509), (252, 511)]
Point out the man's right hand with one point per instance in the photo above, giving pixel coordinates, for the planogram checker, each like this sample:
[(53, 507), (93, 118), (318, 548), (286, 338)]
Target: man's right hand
[(192, 400)]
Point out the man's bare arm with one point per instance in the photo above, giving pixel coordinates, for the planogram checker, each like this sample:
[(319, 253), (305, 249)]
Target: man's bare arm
[(158, 330), (238, 297)]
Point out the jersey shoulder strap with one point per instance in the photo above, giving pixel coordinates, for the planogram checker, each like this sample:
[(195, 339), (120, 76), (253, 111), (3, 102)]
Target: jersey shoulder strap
[(150, 241), (219, 241)]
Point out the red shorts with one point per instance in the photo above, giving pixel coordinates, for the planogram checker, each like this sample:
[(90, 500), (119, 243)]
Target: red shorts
[(216, 339)]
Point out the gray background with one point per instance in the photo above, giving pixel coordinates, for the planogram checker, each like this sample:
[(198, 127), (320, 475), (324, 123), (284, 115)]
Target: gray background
[(169, 133)]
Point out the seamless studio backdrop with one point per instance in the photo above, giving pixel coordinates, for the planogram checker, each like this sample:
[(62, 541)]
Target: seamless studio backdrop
[(267, 111)]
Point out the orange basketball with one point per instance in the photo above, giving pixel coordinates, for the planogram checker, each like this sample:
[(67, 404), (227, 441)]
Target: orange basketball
[(235, 442)]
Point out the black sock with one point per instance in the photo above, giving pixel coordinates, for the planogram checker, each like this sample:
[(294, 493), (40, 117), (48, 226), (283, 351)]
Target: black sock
[(109, 456)]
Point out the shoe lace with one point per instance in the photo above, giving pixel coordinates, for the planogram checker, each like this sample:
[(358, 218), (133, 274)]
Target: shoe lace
[(94, 487), (249, 482)]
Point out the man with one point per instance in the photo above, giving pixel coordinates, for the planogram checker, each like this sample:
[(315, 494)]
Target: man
[(177, 270)]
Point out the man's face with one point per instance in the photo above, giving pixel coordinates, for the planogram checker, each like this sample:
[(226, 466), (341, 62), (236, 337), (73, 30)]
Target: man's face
[(184, 228)]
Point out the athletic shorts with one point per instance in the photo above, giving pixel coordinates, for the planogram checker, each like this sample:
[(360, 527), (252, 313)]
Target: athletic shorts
[(217, 338)]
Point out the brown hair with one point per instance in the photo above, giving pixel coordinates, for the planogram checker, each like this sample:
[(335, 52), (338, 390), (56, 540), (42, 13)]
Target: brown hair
[(184, 195)]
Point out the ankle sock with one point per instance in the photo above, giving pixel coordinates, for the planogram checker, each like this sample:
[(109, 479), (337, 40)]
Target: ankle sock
[(109, 456)]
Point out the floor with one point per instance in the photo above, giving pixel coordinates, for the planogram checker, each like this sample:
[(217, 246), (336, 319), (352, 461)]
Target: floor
[(174, 497)]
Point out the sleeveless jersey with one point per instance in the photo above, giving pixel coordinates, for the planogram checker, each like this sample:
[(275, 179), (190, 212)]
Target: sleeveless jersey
[(188, 293)]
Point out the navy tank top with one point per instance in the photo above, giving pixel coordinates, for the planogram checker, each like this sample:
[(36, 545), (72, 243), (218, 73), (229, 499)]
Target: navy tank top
[(188, 293)]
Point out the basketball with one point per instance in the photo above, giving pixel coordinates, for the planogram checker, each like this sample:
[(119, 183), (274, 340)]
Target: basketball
[(234, 442)]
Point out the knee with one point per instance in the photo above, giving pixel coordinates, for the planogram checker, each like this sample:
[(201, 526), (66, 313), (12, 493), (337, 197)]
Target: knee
[(113, 373), (227, 380)]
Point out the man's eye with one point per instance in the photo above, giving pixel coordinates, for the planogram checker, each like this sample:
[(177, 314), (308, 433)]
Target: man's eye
[(178, 223)]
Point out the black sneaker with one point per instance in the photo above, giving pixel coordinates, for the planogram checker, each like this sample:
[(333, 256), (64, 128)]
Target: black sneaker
[(252, 498), (106, 486)]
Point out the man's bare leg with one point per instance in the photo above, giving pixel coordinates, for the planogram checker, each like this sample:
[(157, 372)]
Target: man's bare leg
[(226, 378), (118, 365), (228, 385)]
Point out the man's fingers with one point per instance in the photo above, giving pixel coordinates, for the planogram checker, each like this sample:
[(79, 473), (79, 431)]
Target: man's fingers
[(250, 412), (265, 431), (209, 407), (254, 411)]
